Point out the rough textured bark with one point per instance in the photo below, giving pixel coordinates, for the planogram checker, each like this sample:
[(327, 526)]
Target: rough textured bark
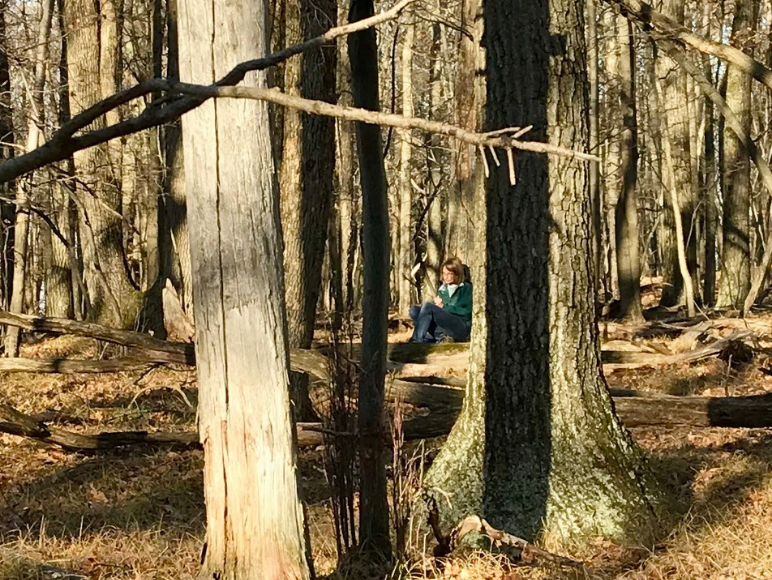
[(628, 260), (93, 43), (467, 166), (735, 280), (254, 518), (553, 460), (306, 177), (374, 509), (676, 113), (406, 246)]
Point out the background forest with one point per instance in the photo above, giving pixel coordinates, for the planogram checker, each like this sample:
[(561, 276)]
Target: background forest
[(600, 166)]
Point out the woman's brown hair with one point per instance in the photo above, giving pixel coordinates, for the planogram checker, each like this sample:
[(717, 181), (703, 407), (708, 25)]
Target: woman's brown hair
[(456, 266)]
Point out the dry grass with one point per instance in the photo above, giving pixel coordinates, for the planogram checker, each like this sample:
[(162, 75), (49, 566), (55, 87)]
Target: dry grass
[(138, 514)]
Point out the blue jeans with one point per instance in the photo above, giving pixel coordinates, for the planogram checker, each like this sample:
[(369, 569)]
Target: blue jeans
[(432, 323)]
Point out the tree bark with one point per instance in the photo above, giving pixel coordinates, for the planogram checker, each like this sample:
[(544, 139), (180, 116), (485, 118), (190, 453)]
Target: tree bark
[(7, 209), (710, 183), (93, 61), (404, 261), (628, 260), (467, 166), (306, 178), (675, 113), (374, 510), (552, 459), (254, 518), (735, 280), (594, 173)]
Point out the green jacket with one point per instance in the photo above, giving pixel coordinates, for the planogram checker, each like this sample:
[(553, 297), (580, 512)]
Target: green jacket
[(461, 301)]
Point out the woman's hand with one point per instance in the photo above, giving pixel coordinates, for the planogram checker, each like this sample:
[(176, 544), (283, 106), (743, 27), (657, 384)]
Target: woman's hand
[(438, 301)]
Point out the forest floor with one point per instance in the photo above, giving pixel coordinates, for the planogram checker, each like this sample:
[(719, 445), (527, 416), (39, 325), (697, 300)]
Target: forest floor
[(138, 514)]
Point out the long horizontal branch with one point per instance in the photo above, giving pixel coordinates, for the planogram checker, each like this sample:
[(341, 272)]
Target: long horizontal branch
[(64, 143), (495, 139), (647, 16)]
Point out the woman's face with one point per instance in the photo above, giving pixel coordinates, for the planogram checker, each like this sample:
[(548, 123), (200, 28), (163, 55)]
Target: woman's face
[(448, 277)]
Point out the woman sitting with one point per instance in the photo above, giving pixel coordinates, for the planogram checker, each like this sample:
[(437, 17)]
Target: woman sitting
[(449, 317)]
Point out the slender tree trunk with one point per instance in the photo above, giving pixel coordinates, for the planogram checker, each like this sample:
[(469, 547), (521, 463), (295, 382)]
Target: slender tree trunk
[(552, 459), (675, 112), (373, 507), (7, 209), (735, 281), (612, 166), (710, 179), (306, 178), (404, 260), (628, 260), (594, 173), (254, 518), (25, 185), (435, 159)]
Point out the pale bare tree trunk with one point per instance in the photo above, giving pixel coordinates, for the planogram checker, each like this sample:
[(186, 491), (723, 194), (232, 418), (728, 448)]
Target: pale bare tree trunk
[(735, 281), (628, 260), (254, 518), (24, 186), (612, 161), (374, 509), (404, 260)]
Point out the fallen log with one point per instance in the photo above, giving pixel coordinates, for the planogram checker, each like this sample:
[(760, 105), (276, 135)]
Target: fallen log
[(634, 409), (70, 366)]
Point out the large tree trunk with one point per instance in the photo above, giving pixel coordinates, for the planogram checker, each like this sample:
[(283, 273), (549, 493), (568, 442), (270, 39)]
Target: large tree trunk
[(25, 185), (675, 113), (374, 509), (92, 58), (552, 460), (254, 518), (306, 178), (735, 280), (628, 260)]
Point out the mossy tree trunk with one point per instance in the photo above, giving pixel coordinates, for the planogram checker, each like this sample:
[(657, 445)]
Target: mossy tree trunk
[(538, 449)]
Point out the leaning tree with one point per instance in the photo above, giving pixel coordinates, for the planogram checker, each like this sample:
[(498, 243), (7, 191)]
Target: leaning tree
[(538, 449)]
